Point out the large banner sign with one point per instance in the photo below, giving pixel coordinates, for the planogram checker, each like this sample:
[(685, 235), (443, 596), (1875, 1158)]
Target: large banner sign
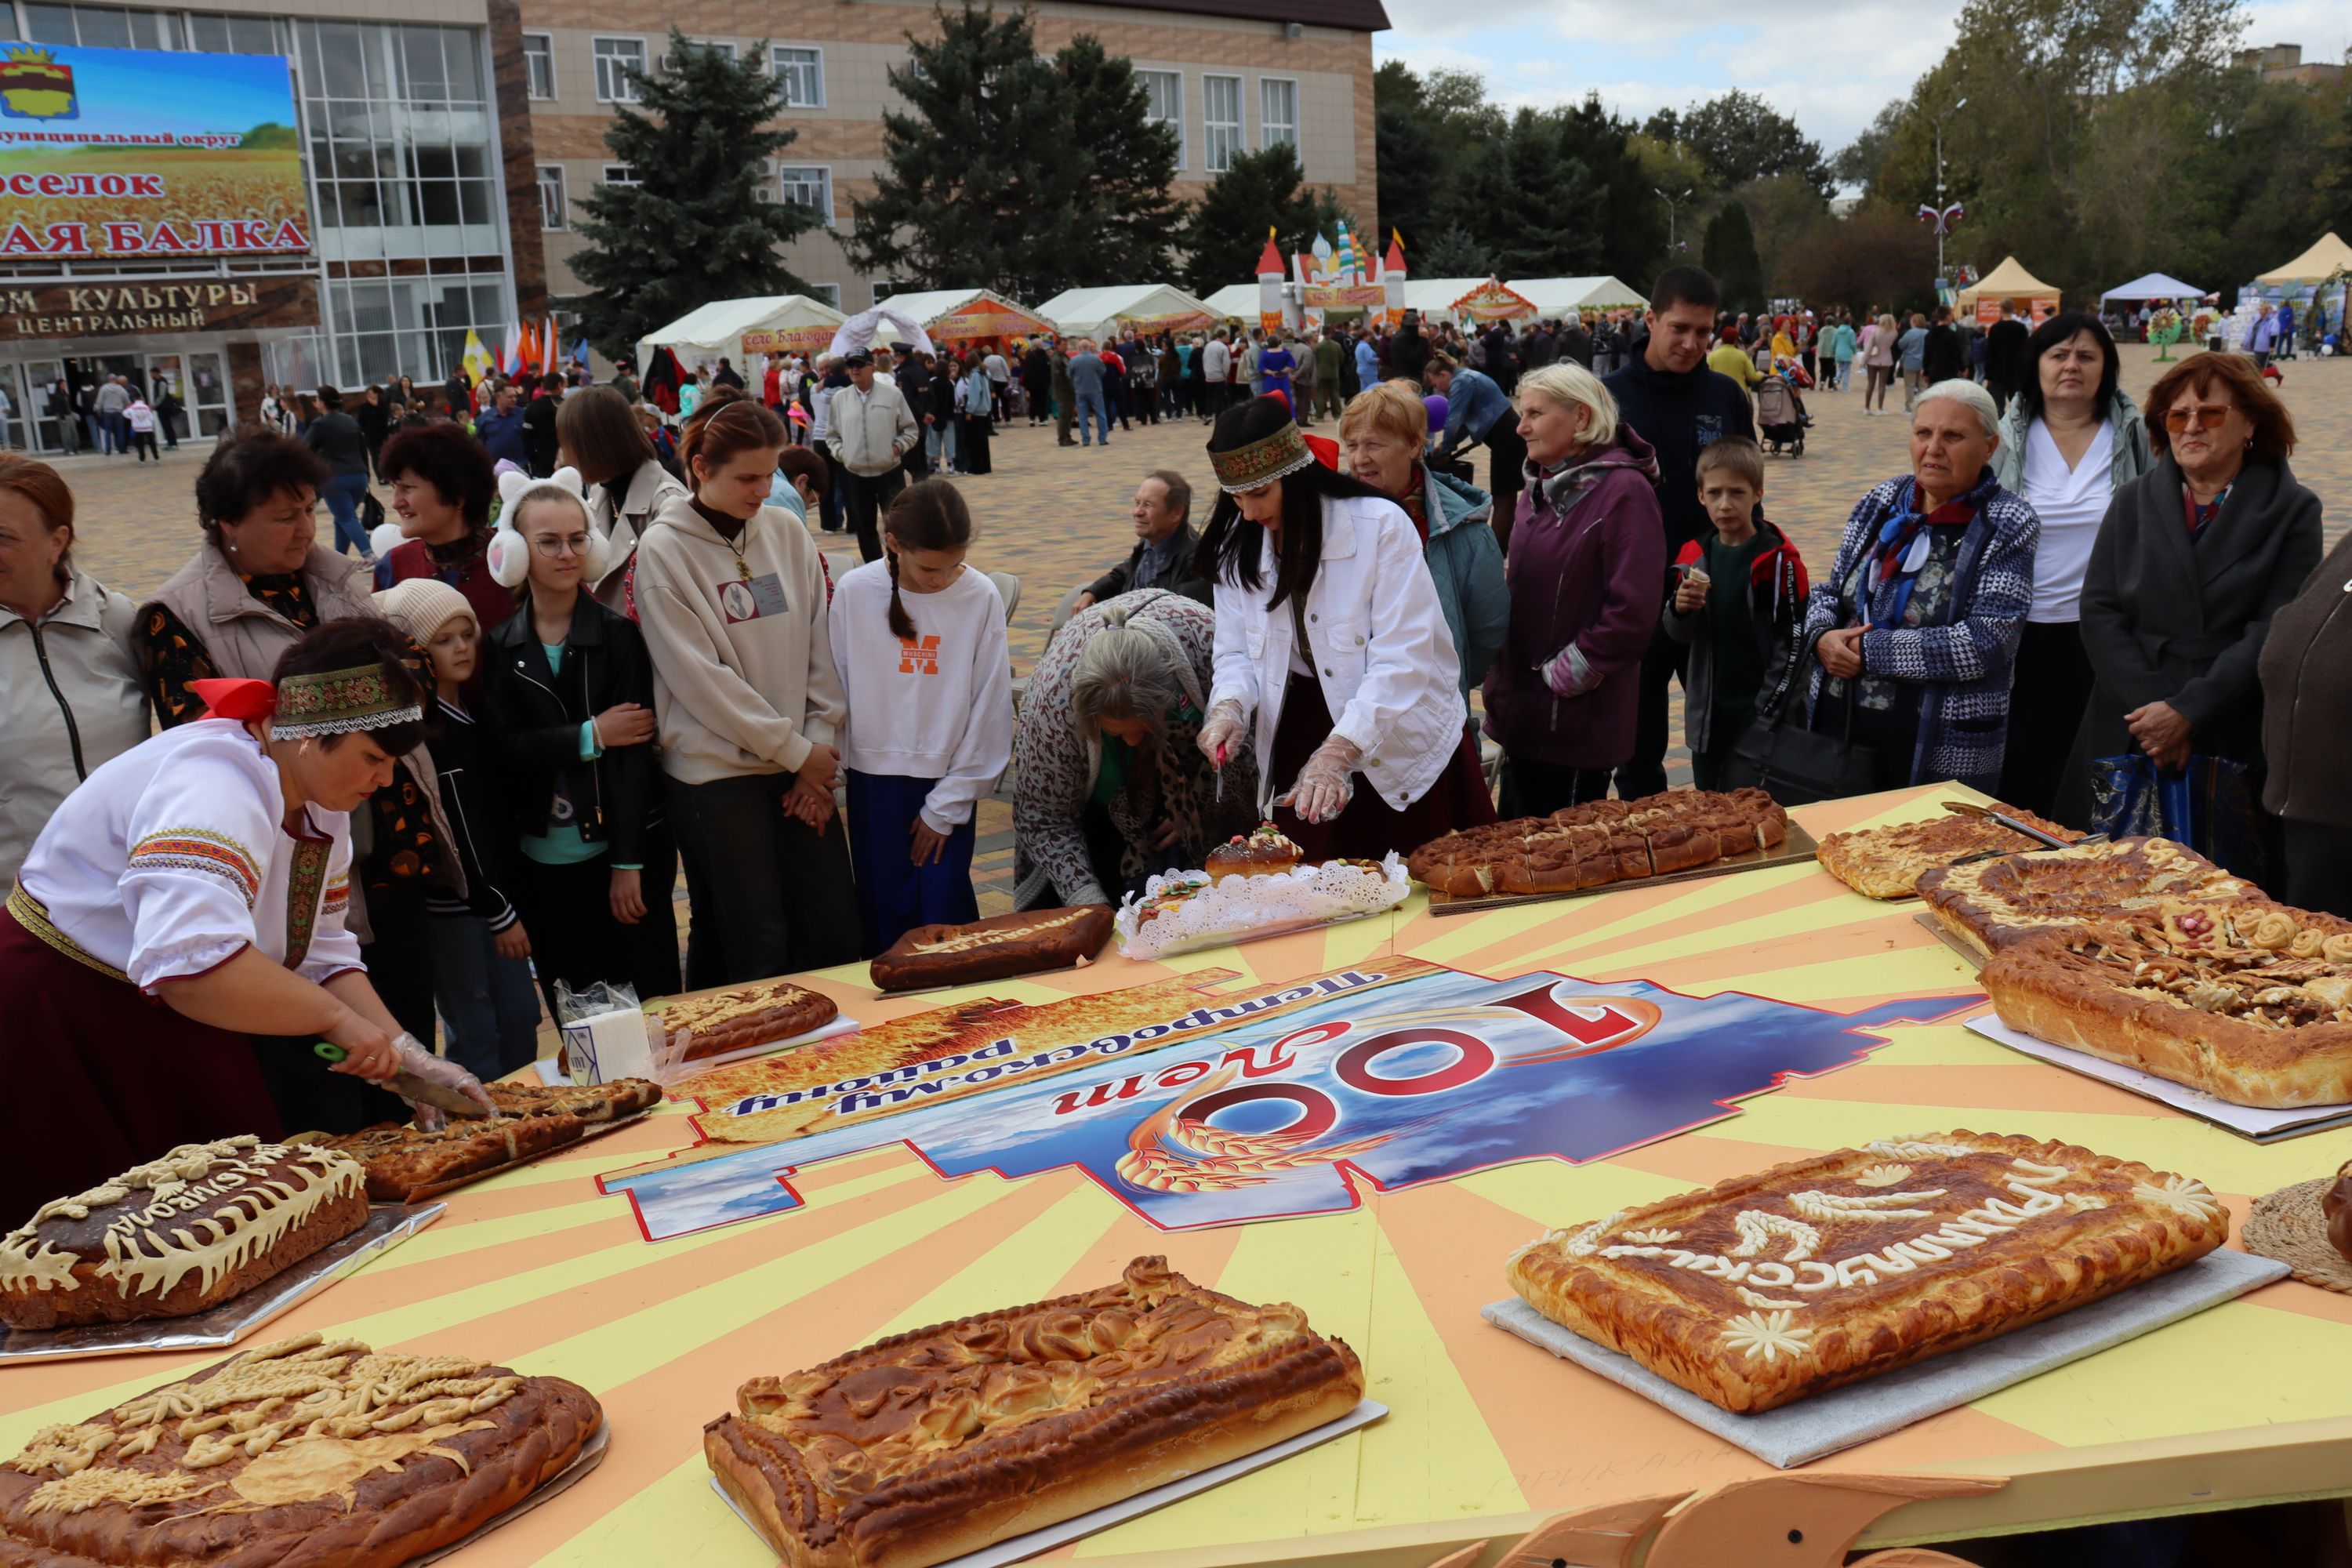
[(1397, 1073), (115, 153)]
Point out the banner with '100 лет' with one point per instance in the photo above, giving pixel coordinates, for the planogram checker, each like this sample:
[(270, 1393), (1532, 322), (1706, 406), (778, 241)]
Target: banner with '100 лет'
[(108, 153)]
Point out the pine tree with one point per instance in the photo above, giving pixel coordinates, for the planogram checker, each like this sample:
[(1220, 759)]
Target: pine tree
[(1132, 214), (984, 183), (1226, 232), (1729, 252), (697, 226)]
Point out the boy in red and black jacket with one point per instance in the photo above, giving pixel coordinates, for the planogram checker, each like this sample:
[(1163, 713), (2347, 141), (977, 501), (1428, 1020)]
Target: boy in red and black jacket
[(1739, 601)]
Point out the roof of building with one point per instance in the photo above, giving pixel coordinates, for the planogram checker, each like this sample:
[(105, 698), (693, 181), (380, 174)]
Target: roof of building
[(1356, 15)]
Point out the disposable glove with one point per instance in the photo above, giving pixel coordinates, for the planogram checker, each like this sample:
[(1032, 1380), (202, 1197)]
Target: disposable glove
[(1222, 733), (1325, 784), (415, 1060)]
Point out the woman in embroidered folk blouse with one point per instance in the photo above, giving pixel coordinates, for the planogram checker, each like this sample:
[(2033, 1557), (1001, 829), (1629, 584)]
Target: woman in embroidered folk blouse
[(206, 870)]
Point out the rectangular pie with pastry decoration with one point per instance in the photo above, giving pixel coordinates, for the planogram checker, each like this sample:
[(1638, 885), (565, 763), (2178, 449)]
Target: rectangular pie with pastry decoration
[(306, 1453), (1766, 1288), (937, 1443), (1887, 862), (2248, 1002)]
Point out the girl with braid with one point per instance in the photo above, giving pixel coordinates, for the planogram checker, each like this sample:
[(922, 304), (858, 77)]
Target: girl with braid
[(919, 638)]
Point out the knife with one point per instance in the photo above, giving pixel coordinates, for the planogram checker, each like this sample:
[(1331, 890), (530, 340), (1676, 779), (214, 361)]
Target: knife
[(2048, 841), (408, 1086)]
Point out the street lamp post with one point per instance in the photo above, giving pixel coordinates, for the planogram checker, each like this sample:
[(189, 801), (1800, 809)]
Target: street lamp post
[(1940, 224), (1674, 205)]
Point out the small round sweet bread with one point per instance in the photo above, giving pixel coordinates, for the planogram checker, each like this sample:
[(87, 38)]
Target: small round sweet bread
[(1262, 854)]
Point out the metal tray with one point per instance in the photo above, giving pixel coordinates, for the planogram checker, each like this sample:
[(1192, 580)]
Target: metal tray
[(387, 1226), (1796, 849)]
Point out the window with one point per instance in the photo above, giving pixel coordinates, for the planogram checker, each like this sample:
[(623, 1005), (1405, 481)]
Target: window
[(828, 292), (1163, 93), (885, 287), (614, 59), (801, 72), (809, 185), (1277, 113), (725, 47), (1220, 120), (552, 211), (620, 174), (538, 64)]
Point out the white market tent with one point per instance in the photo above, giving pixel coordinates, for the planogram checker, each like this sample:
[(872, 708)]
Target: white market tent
[(1556, 296), (2155, 286), (1091, 312), (1434, 297), (1235, 302), (2317, 265), (716, 331)]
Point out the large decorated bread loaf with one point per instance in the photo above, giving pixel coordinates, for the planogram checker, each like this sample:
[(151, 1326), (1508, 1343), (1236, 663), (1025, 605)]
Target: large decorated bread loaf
[(997, 948), (307, 1453), (206, 1222)]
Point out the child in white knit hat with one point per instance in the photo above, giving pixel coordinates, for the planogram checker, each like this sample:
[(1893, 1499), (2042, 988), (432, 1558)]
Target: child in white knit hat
[(481, 974)]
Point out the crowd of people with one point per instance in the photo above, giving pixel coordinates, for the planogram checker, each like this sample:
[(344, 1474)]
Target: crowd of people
[(422, 794)]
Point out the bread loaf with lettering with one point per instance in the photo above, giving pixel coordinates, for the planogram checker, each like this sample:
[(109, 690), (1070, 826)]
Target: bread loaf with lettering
[(206, 1222), (994, 949), (1766, 1288)]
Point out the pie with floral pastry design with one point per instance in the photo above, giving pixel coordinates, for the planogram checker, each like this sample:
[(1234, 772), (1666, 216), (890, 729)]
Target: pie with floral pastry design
[(939, 1442), (1988, 904), (2248, 1002), (1767, 1288), (306, 1453)]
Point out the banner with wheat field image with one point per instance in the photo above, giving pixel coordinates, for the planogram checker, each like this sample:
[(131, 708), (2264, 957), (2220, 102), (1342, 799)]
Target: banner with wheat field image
[(108, 153)]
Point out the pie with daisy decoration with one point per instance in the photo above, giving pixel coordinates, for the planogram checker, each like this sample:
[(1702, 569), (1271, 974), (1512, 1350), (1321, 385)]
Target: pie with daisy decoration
[(1766, 1288)]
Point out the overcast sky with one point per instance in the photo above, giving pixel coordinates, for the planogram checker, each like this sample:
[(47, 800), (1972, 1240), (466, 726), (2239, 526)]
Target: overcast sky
[(1829, 64)]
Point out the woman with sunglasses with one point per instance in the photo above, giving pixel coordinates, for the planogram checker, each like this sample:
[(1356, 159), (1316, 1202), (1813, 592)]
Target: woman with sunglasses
[(2194, 558)]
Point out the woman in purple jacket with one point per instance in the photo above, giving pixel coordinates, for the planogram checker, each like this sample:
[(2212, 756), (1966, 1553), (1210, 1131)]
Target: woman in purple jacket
[(1587, 560)]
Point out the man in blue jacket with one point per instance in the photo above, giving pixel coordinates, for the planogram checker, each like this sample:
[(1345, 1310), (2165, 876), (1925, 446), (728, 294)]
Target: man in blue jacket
[(1673, 401), (500, 429)]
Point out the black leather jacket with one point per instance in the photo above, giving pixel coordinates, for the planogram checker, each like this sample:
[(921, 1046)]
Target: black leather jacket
[(533, 716)]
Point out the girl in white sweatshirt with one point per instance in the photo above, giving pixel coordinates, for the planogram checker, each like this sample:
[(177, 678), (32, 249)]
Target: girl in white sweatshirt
[(919, 639)]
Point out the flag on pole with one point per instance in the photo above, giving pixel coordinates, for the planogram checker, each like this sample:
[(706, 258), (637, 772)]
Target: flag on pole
[(555, 349), (476, 359), (510, 355)]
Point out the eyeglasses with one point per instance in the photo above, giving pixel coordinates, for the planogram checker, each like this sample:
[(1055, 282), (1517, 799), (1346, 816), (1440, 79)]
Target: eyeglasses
[(2208, 416), (554, 546)]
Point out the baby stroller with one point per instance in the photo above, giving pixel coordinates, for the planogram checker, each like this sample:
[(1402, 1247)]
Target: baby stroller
[(1781, 416)]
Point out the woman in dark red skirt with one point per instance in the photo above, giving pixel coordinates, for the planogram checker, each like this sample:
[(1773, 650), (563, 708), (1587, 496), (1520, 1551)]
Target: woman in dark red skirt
[(189, 895), (1333, 657)]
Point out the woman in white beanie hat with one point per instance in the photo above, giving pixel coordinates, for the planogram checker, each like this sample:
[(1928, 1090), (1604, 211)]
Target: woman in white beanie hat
[(481, 979)]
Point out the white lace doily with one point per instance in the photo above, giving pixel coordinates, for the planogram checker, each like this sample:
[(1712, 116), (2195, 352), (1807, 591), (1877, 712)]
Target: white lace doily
[(1242, 906)]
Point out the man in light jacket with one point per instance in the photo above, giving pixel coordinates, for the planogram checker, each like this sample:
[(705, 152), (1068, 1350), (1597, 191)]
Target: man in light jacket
[(871, 430)]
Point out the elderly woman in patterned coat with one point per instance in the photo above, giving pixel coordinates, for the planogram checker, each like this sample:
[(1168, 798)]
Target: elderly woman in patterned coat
[(1112, 786), (1912, 633)]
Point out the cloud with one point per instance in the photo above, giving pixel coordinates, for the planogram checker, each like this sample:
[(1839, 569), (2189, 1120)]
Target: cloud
[(1542, 53)]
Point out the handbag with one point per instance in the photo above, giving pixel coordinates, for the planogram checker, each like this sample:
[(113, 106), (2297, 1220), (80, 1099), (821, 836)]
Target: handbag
[(2213, 806), (1795, 763)]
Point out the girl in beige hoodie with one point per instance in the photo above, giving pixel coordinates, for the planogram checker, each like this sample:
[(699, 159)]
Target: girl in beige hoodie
[(730, 595)]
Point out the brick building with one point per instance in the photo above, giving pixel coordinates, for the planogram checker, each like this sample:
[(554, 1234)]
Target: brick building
[(1233, 75)]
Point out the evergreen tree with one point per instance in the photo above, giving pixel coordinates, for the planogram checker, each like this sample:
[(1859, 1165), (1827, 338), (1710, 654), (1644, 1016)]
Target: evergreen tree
[(1729, 252), (697, 226), (1226, 232), (984, 182), (1132, 213)]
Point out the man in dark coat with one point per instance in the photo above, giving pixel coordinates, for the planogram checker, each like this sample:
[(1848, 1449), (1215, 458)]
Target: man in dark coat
[(2005, 355), (1941, 358)]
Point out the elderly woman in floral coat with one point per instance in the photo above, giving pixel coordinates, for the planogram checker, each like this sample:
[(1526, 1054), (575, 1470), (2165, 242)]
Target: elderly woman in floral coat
[(1915, 630)]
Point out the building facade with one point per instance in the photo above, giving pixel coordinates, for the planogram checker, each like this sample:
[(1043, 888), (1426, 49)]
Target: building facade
[(1230, 76), (441, 155)]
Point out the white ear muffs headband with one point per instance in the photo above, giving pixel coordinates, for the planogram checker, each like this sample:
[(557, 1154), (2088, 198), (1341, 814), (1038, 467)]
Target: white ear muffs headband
[(509, 553)]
